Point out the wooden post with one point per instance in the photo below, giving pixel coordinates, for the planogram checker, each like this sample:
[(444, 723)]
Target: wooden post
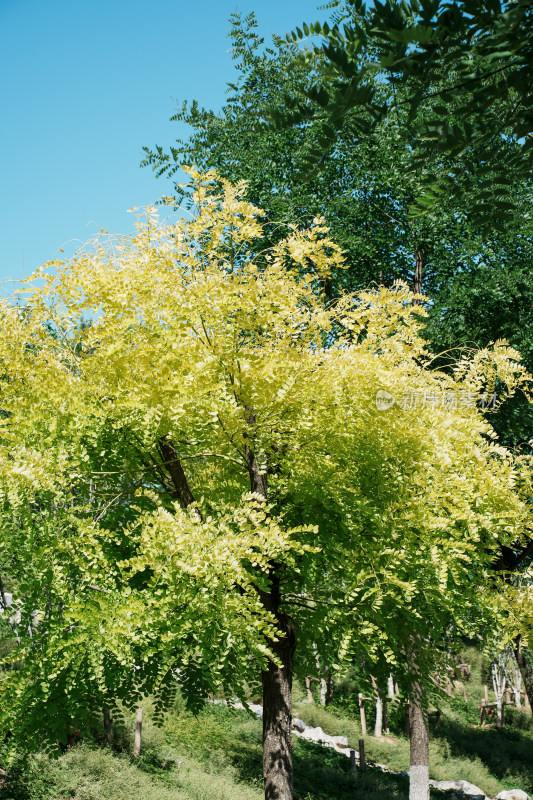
[(329, 693), (362, 761), (352, 761), (138, 732), (362, 713), (108, 724), (486, 690)]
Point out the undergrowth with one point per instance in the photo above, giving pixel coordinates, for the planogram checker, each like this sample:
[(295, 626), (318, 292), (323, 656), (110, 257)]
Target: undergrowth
[(217, 756)]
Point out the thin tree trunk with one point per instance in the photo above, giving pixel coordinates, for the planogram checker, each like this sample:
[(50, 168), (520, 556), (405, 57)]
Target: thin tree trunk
[(138, 732), (310, 698), (108, 725), (419, 272), (499, 680), (526, 669), (329, 692), (378, 727), (363, 714), (499, 713), (419, 747), (323, 691)]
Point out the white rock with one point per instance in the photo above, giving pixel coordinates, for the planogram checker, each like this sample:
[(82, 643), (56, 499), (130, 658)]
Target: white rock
[(513, 794), (299, 725), (464, 787), (339, 743), (316, 735)]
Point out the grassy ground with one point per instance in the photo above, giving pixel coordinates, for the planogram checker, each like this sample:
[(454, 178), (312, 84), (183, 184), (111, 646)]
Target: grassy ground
[(491, 759), (217, 756)]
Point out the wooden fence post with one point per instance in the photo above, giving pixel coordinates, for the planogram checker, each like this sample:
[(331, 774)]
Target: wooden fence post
[(362, 761)]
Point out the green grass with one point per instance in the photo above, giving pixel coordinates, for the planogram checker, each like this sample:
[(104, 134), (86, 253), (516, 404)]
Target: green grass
[(491, 759), (90, 773), (217, 756)]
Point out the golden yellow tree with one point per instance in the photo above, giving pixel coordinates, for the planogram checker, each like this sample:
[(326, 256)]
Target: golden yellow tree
[(217, 453)]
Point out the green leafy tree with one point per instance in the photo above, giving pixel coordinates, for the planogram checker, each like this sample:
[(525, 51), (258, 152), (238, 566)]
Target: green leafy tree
[(467, 69), (363, 175)]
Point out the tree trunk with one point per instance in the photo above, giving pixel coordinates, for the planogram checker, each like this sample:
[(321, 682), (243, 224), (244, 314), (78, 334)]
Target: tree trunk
[(310, 698), (419, 747), (277, 680), (329, 685), (277, 719), (138, 732), (419, 272), (499, 713), (499, 680), (362, 713), (526, 669), (378, 728), (108, 725), (323, 691)]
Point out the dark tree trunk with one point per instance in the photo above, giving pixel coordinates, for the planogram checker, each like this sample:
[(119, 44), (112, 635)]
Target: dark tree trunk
[(277, 717), (108, 725), (172, 463), (526, 669), (277, 680), (329, 693)]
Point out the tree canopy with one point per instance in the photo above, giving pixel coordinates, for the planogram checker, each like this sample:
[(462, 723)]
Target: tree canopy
[(222, 470)]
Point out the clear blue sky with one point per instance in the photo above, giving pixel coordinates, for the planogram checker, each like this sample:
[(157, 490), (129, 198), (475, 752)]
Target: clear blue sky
[(84, 86)]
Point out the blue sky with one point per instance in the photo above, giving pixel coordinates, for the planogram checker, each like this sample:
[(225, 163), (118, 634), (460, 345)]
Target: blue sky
[(84, 86)]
